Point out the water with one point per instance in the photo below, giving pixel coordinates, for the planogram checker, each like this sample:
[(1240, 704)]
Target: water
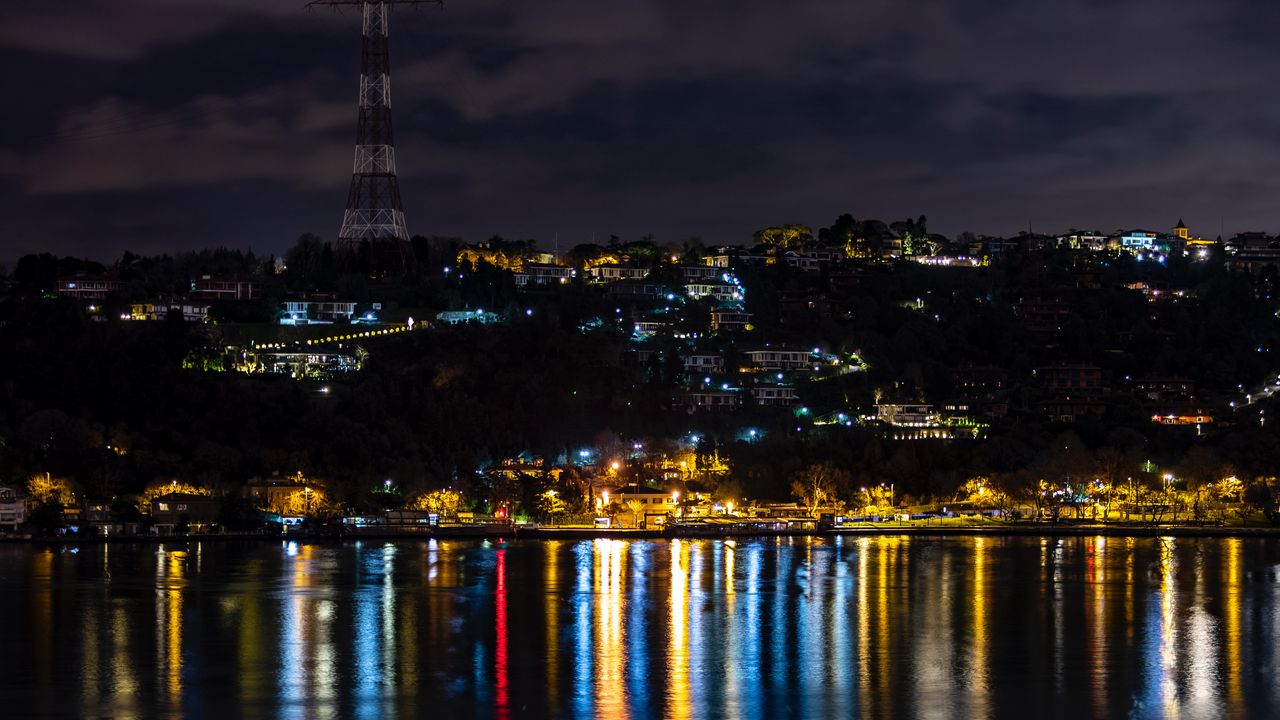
[(770, 628)]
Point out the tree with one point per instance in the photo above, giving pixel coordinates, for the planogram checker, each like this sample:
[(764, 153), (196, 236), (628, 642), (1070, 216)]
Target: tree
[(636, 508), (787, 236), (550, 505), (443, 502), (817, 485), (1261, 495)]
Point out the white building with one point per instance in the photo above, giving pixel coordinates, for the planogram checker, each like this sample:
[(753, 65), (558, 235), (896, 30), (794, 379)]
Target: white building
[(87, 287), (13, 509), (612, 273), (714, 289), (780, 359), (317, 311), (544, 275), (192, 311), (703, 363), (775, 395), (649, 328), (729, 320), (694, 273), (907, 414), (712, 400)]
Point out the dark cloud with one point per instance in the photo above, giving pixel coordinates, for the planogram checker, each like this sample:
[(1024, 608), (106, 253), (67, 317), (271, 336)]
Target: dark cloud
[(166, 123)]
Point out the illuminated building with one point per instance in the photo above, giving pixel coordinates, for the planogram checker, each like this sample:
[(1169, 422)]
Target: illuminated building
[(160, 310), (220, 289), (778, 396), (466, 317), (712, 399), (694, 273), (703, 363), (612, 273), (88, 287), (648, 328), (781, 359), (317, 309), (315, 364), (199, 512), (538, 274), (730, 320), (1083, 240), (13, 509), (1252, 251), (716, 290), (1197, 418), (1164, 388), (907, 414)]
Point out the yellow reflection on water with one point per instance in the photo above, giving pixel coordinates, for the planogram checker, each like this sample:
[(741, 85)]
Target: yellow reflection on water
[(864, 630), (678, 636), (1096, 621), (730, 550), (979, 685), (1128, 589), (1231, 598), (551, 618), (608, 645), (891, 550), (250, 644), (42, 616), (1168, 628), (171, 569), (90, 658), (732, 658), (1199, 652), (124, 681)]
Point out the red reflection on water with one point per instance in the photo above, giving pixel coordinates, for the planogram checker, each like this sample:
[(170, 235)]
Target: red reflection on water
[(500, 654)]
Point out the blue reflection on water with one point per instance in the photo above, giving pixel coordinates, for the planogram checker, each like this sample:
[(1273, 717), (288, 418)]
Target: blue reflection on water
[(866, 627), (639, 667), (583, 614)]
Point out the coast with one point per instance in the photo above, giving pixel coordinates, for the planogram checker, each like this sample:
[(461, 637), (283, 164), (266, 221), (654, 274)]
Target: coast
[(523, 532)]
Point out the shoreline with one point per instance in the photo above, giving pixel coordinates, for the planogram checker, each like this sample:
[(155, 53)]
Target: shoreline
[(508, 532)]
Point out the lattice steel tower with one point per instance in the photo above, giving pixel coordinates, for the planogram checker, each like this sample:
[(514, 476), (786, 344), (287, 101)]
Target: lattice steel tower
[(373, 236)]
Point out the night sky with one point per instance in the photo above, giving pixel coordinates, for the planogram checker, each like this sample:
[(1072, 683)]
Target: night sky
[(162, 125)]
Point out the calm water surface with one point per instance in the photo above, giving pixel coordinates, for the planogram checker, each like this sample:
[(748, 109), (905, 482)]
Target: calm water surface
[(769, 628)]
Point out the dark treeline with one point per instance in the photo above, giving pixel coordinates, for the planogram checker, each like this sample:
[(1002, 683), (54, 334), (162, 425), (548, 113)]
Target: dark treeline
[(108, 405)]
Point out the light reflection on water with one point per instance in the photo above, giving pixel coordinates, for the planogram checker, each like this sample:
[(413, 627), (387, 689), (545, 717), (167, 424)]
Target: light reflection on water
[(863, 627)]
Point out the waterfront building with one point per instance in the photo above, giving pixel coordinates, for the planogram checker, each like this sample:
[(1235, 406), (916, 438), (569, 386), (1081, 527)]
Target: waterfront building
[(13, 509), (172, 510)]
